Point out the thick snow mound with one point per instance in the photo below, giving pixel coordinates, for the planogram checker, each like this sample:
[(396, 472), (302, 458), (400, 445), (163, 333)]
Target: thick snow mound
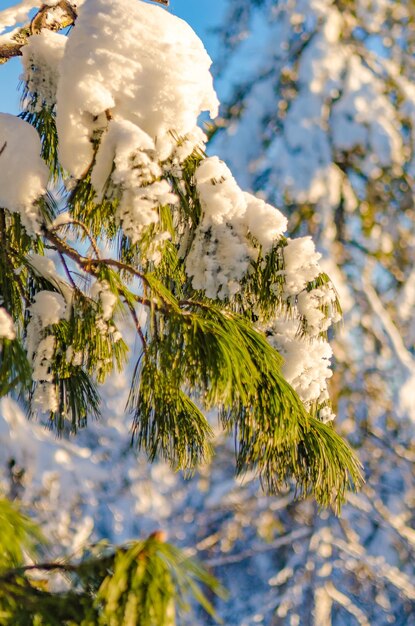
[(131, 61)]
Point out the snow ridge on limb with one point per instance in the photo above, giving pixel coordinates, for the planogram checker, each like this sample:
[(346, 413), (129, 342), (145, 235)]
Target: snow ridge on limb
[(167, 230)]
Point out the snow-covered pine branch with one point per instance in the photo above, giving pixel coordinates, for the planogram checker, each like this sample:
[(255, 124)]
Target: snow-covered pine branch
[(116, 104)]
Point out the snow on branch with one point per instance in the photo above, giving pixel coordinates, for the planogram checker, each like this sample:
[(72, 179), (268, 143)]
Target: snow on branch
[(237, 314)]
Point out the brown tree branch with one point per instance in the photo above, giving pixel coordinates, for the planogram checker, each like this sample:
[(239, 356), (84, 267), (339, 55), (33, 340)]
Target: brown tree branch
[(85, 230), (53, 18)]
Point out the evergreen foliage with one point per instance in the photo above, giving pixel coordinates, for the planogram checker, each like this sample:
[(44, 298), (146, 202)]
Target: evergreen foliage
[(77, 274), (148, 582), (195, 350)]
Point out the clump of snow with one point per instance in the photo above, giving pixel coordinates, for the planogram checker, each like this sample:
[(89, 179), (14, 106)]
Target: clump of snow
[(107, 299), (221, 198), (41, 58), (222, 250), (134, 62), (300, 336), (43, 360), (127, 166), (317, 308), (300, 264), (130, 151), (75, 358), (196, 138), (7, 330), (264, 221), (306, 363), (44, 266), (139, 208), (48, 308), (23, 174)]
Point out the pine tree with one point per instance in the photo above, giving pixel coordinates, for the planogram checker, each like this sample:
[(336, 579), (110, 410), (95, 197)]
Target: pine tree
[(147, 582), (114, 216), (321, 119)]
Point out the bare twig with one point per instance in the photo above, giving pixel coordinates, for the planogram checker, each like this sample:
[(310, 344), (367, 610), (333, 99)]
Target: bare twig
[(91, 267), (86, 231), (68, 273), (137, 325)]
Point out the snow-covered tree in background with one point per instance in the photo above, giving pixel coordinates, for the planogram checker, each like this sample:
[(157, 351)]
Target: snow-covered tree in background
[(321, 120), (117, 230)]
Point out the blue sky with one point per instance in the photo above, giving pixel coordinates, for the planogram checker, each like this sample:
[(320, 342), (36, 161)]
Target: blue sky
[(203, 15)]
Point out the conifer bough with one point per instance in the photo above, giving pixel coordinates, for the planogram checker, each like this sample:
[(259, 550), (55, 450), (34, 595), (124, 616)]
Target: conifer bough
[(148, 582), (232, 316)]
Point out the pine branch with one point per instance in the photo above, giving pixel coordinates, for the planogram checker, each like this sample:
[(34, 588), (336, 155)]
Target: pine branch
[(217, 357), (147, 582), (88, 235), (196, 350), (45, 123)]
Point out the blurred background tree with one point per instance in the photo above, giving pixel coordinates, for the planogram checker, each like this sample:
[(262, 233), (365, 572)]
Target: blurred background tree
[(320, 115)]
